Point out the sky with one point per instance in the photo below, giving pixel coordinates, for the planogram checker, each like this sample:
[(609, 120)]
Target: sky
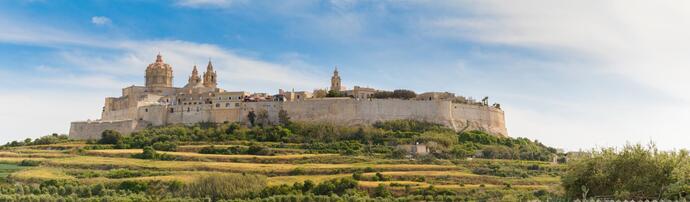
[(571, 74)]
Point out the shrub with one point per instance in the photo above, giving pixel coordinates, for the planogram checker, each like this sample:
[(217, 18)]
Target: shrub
[(381, 191), (635, 172), (259, 150), (335, 186), (27, 162), (110, 137), (148, 153), (164, 146), (133, 186)]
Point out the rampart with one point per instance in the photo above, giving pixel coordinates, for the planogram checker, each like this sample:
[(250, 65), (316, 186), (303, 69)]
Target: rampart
[(92, 129)]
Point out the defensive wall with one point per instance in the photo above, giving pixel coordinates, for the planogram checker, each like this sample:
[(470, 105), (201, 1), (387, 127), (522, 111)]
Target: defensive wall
[(93, 129), (344, 111)]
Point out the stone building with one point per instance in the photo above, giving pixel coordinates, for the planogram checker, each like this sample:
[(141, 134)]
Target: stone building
[(158, 102)]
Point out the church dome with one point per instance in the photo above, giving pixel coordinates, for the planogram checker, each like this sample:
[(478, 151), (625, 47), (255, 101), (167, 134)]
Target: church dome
[(159, 64), (159, 74)]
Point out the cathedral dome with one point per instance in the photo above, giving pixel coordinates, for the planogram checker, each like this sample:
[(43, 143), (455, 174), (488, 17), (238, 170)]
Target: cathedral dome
[(159, 64), (159, 74)]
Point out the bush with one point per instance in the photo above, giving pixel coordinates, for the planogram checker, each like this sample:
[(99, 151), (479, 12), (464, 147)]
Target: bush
[(133, 186), (110, 137), (335, 186), (164, 146), (27, 162), (635, 172), (148, 153)]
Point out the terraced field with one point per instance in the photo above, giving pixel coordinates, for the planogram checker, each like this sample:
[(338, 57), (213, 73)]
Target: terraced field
[(77, 163)]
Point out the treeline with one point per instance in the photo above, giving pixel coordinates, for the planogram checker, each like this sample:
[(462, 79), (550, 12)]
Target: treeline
[(634, 172), (378, 138), (48, 139)]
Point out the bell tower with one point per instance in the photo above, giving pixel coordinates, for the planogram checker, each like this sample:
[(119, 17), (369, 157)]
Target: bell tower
[(210, 76), (335, 81)]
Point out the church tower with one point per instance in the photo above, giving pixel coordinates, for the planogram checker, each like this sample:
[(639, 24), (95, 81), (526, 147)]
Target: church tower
[(194, 78), (335, 81), (210, 76), (159, 74)]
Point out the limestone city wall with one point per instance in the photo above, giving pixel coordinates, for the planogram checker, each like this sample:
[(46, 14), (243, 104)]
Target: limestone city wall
[(332, 110), (92, 129)]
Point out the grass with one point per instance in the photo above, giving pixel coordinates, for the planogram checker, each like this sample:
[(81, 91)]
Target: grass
[(40, 174), (289, 180), (275, 169), (284, 159), (63, 162)]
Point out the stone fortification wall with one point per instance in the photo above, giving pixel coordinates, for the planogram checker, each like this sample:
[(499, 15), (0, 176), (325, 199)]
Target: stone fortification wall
[(93, 129), (476, 117), (333, 110), (352, 112)]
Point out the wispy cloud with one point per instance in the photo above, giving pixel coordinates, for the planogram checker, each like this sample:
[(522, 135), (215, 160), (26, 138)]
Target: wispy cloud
[(100, 20)]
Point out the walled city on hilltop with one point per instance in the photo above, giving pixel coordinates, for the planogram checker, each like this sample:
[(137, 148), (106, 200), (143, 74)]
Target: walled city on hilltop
[(200, 100)]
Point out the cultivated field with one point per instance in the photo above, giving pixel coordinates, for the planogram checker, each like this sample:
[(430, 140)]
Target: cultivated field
[(77, 163)]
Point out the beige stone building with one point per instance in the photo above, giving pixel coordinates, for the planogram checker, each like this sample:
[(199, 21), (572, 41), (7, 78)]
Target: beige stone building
[(158, 102)]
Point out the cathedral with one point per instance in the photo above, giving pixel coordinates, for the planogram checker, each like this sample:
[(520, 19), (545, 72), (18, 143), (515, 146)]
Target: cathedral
[(158, 103)]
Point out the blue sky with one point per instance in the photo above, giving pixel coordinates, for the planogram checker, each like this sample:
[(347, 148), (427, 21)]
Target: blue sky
[(570, 74)]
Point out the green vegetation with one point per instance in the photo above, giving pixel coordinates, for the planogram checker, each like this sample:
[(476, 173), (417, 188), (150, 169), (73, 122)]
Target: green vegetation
[(634, 172), (380, 138), (291, 161), (398, 94)]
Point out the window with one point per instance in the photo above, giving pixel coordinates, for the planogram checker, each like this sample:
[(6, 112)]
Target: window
[(237, 104), (146, 110), (187, 109), (217, 105), (227, 104), (172, 110), (229, 98)]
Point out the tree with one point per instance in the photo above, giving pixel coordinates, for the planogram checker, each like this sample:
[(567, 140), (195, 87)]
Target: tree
[(335, 93), (110, 137), (262, 118), (147, 153), (252, 117), (283, 117), (381, 191), (404, 94)]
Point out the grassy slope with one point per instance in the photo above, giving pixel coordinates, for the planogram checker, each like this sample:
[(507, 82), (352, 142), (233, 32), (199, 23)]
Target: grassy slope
[(62, 164)]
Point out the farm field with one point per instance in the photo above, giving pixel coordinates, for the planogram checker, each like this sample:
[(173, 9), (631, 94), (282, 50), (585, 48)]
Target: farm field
[(75, 163), (292, 162)]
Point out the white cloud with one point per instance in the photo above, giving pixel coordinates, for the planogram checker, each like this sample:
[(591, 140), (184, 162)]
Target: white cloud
[(644, 41), (100, 20), (94, 75)]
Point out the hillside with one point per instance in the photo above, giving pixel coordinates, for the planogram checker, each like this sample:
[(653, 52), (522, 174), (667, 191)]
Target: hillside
[(289, 162)]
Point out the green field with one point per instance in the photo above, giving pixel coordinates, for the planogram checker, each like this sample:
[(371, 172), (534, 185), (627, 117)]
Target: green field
[(75, 165), (294, 162)]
